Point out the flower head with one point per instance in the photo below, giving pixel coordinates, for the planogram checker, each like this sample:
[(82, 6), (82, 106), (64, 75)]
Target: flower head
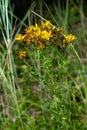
[(70, 38), (46, 35), (46, 24), (22, 54), (20, 37), (40, 35)]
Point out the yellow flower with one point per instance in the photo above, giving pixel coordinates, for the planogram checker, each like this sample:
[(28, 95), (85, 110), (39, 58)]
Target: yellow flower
[(20, 37), (46, 35), (69, 38), (33, 31), (35, 28), (47, 25), (22, 54), (39, 35)]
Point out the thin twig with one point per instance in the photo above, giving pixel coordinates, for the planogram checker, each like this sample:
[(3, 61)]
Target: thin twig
[(76, 53)]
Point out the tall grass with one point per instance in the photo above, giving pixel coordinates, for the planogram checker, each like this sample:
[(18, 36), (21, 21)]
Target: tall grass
[(8, 75)]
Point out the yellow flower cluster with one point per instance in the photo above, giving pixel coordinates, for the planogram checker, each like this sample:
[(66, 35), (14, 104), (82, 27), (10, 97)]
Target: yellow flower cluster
[(44, 35), (22, 54)]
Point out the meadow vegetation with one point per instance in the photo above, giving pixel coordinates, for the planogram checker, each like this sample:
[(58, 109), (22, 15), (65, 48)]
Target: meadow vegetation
[(43, 67)]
